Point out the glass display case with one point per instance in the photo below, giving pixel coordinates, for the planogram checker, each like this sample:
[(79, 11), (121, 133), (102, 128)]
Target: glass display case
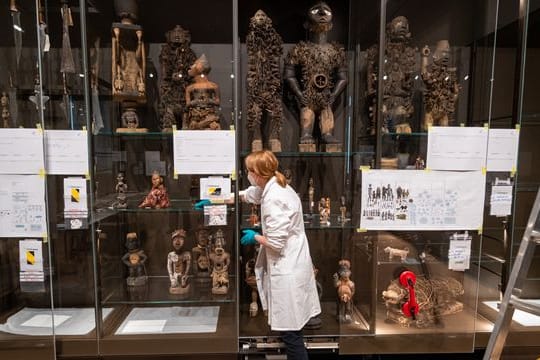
[(135, 244)]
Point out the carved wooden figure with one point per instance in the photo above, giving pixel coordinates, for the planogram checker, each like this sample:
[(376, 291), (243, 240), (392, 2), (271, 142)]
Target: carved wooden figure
[(264, 91), (158, 197), (345, 290), (179, 264), (398, 74), (135, 259), (442, 87), (202, 99), (221, 261), (175, 59), (316, 72)]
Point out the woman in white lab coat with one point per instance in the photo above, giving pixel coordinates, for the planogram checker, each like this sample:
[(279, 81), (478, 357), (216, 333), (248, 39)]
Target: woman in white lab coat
[(284, 270)]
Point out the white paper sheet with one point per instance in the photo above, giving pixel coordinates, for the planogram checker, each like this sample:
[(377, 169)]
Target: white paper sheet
[(456, 148), (422, 200), (67, 152), (215, 188), (43, 320), (204, 152), (21, 151), (144, 326), (502, 149), (22, 206)]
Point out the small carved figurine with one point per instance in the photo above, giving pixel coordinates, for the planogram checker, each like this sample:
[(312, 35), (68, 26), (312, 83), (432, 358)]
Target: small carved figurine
[(201, 255), (179, 264), (324, 211), (134, 259), (419, 163), (288, 176), (345, 290), (399, 66), (220, 260), (311, 196), (252, 283), (393, 252), (6, 116), (442, 87), (157, 198), (175, 58), (202, 99), (343, 211), (264, 91), (121, 189), (254, 216), (322, 69), (130, 121)]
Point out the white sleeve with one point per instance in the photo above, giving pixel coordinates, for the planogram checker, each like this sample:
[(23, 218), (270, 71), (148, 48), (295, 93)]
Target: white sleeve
[(277, 222), (252, 194)]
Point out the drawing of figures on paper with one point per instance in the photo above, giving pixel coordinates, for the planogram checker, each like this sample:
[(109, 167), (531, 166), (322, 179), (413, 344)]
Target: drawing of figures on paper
[(393, 199)]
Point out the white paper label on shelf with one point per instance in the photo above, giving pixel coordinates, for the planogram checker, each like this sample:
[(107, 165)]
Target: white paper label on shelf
[(422, 200), (215, 215), (75, 198), (457, 148), (501, 200), (204, 152), (459, 252), (22, 206), (21, 151), (67, 152)]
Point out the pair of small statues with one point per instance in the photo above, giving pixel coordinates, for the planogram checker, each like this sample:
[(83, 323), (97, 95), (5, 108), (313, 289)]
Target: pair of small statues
[(315, 71), (157, 197), (400, 69)]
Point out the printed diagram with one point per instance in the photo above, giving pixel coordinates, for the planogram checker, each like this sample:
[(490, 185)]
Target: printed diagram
[(387, 203)]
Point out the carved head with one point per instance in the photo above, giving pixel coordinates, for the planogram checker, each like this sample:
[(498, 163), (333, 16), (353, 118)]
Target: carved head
[(398, 29), (319, 18), (120, 177), (219, 240), (202, 236), (4, 100), (260, 19), (130, 119), (157, 179), (178, 237), (344, 269), (200, 66), (126, 10), (178, 35), (132, 241), (441, 56)]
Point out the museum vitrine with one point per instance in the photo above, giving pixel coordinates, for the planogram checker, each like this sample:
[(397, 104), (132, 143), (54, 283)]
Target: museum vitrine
[(144, 113)]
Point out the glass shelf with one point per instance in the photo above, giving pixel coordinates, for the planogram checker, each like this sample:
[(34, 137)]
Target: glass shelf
[(156, 291), (137, 135)]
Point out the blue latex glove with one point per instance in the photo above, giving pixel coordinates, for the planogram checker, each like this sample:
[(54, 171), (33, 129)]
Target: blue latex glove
[(199, 205), (248, 237)]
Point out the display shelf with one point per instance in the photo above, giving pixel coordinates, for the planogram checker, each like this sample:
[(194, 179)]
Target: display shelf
[(412, 134), (158, 135), (156, 291), (310, 223), (223, 340)]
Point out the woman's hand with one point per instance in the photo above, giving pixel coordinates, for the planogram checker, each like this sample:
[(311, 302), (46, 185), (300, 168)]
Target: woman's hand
[(248, 237)]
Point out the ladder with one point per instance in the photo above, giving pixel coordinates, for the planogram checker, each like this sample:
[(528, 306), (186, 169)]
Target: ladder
[(511, 299)]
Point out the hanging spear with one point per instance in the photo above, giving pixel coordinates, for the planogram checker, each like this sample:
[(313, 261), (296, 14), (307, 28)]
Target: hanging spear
[(67, 64), (17, 29)]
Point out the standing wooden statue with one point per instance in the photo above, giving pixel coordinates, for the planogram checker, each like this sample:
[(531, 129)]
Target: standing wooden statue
[(345, 291), (400, 64), (316, 72), (179, 264), (128, 57), (221, 261), (135, 259), (264, 91), (442, 87), (175, 59)]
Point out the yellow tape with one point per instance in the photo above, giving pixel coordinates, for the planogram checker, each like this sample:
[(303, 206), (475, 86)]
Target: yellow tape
[(44, 236), (429, 126), (364, 168), (361, 230), (233, 175), (427, 169), (39, 128), (486, 126), (87, 175), (231, 127), (518, 127), (84, 128), (484, 170), (174, 130), (461, 125), (480, 230), (42, 173), (513, 171), (175, 175)]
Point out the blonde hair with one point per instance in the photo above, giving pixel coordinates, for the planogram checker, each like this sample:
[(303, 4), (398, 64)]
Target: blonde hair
[(265, 164)]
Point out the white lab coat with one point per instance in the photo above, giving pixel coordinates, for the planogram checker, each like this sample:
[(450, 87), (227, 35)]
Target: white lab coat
[(284, 270)]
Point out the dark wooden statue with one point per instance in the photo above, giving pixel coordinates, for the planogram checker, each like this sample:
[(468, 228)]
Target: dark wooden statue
[(442, 86), (175, 59), (399, 67), (316, 73), (264, 90)]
